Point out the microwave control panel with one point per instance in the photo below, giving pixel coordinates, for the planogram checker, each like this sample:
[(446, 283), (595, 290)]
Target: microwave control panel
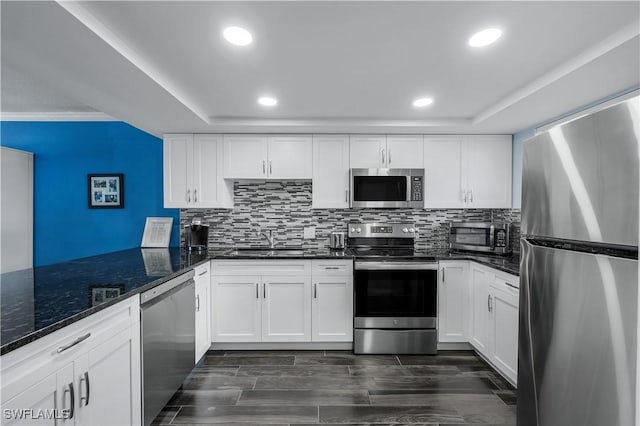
[(501, 238), (416, 188)]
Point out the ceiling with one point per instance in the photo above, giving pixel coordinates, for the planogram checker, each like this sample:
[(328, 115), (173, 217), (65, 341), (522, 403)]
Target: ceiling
[(334, 66)]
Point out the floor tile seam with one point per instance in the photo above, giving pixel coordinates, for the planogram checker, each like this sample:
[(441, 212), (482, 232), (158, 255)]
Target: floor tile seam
[(175, 415)]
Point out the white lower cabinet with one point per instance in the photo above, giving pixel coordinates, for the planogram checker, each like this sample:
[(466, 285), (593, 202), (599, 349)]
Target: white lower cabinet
[(203, 319), (481, 277), (90, 369), (274, 301), (453, 301)]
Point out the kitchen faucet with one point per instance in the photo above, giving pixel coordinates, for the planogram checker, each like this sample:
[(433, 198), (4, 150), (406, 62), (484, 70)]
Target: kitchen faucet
[(271, 238)]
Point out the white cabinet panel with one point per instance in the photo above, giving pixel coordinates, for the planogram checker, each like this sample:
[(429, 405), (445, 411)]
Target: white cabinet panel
[(177, 173), (405, 152), (443, 172), (44, 395), (367, 151), (504, 345), (453, 301), (286, 312), (330, 187), (479, 327), (332, 308), (203, 312), (236, 308), (245, 157), (290, 157), (488, 171)]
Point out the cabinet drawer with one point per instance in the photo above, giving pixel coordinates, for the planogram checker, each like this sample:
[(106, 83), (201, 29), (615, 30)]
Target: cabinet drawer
[(25, 365), (331, 267), (260, 267), (508, 282), (202, 270)]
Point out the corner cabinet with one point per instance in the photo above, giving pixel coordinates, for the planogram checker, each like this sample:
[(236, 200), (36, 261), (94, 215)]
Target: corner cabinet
[(267, 157), (90, 368), (381, 151), (468, 171), (193, 172), (330, 172)]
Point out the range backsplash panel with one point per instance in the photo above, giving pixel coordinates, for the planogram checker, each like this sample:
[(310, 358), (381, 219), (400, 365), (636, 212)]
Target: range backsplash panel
[(285, 208)]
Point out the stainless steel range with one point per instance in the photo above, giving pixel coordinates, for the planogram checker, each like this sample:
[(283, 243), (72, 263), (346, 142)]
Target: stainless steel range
[(395, 291)]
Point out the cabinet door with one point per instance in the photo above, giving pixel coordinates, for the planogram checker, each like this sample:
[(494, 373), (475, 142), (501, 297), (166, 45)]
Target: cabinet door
[(44, 395), (245, 157), (330, 188), (488, 171), (368, 152), (479, 328), (177, 174), (453, 301), (286, 310), (504, 330), (236, 307), (332, 309), (405, 152), (207, 179), (290, 157), (203, 320), (106, 393), (443, 172)]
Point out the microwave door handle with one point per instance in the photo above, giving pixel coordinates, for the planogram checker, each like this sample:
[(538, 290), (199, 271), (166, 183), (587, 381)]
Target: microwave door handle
[(492, 238)]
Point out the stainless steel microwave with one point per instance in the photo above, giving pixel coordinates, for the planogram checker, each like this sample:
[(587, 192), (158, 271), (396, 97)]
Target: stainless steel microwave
[(387, 188), (485, 237)]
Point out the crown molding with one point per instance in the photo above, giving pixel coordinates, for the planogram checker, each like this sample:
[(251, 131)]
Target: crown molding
[(56, 116)]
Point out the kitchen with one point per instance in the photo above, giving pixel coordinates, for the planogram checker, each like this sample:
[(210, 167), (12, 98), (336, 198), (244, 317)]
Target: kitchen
[(191, 140)]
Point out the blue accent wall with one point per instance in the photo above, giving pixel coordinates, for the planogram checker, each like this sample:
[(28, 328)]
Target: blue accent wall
[(65, 152), (523, 135)]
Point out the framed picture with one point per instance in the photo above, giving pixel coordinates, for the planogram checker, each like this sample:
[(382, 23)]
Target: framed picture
[(106, 191), (99, 294)]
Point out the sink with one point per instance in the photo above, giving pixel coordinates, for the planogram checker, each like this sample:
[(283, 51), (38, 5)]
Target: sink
[(265, 251)]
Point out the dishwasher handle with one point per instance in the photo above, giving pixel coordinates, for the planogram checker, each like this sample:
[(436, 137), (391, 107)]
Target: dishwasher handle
[(165, 289)]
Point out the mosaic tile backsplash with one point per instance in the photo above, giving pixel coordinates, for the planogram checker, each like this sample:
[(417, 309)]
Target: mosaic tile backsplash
[(285, 208)]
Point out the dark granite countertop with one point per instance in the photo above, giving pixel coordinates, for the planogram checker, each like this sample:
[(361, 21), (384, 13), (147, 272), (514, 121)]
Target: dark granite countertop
[(35, 302)]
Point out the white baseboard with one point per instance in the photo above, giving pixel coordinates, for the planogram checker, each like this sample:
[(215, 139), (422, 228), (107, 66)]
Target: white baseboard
[(454, 346), (258, 346)]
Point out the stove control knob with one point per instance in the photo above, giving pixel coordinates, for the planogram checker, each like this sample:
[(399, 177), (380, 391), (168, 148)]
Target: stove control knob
[(353, 229), (405, 230), (412, 230), (358, 230)]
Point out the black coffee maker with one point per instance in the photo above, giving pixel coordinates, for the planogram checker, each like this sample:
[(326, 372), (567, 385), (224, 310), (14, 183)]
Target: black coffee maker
[(196, 235)]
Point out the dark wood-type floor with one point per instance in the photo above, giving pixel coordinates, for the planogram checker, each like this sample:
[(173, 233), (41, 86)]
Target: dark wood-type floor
[(333, 387)]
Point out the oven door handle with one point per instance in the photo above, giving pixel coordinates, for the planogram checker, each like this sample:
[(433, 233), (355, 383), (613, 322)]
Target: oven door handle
[(393, 266)]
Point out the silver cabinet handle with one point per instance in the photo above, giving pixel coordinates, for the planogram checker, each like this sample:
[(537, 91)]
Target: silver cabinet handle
[(72, 399), (489, 302), (270, 167), (464, 196), (195, 195), (471, 196), (383, 156), (257, 291), (264, 290), (331, 267), (188, 195), (264, 167), (202, 273), (315, 290), (442, 274), (75, 342), (389, 156), (346, 195), (85, 379), (197, 303)]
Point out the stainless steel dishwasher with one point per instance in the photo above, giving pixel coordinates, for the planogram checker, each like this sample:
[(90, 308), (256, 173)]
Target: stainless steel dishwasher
[(168, 341)]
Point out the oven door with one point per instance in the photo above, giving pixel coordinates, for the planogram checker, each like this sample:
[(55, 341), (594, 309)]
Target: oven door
[(395, 295), (380, 188)]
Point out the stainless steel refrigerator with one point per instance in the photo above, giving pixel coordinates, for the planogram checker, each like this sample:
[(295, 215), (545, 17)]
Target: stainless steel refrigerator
[(579, 272)]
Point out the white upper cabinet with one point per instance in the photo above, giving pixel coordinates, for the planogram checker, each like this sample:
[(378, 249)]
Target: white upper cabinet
[(330, 172), (443, 172), (404, 152), (487, 171), (192, 171), (367, 151), (267, 157), (467, 171), (380, 151), (245, 157)]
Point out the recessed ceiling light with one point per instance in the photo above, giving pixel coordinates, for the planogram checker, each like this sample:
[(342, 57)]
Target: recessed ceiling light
[(238, 36), (485, 37), (267, 101), (422, 102)]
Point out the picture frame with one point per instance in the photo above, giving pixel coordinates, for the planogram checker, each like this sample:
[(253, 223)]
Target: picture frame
[(99, 294), (106, 190)]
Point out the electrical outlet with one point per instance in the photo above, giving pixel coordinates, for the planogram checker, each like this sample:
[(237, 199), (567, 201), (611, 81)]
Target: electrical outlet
[(309, 232)]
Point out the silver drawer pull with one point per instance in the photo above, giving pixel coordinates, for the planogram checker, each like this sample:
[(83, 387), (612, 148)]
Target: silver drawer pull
[(331, 267), (75, 342), (202, 273)]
